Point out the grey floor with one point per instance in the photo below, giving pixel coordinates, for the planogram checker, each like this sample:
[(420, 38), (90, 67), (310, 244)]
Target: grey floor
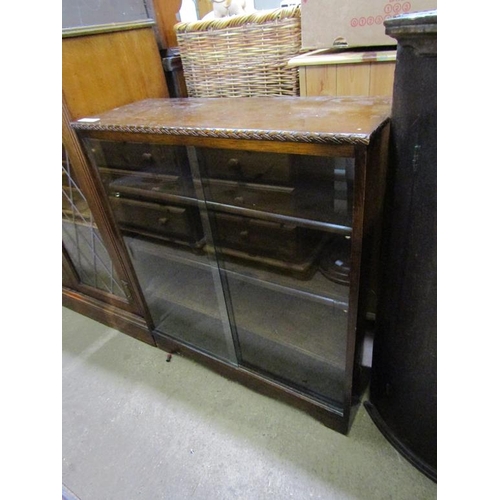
[(137, 427)]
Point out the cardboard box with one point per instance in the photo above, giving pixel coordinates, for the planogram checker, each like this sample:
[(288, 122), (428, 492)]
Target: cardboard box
[(327, 23)]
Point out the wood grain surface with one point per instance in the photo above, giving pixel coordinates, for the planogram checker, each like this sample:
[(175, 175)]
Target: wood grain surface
[(107, 70), (331, 120)]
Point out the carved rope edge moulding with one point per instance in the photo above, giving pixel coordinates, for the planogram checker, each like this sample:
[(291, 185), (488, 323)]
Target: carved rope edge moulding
[(260, 135)]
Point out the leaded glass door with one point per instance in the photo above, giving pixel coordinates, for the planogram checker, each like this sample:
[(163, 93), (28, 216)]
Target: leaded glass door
[(88, 264)]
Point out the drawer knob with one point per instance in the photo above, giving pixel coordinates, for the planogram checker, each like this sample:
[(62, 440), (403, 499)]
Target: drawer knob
[(244, 234), (239, 199), (163, 220), (234, 163), (147, 157)]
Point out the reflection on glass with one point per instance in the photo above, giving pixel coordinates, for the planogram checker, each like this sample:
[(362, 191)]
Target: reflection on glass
[(309, 188), (79, 13), (81, 237), (242, 255), (152, 196), (298, 338), (179, 288), (281, 225)]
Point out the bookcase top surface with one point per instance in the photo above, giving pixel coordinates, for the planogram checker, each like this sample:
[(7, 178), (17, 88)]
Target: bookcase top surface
[(331, 120)]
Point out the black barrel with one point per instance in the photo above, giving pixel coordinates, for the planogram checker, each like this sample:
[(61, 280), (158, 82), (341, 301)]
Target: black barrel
[(403, 391)]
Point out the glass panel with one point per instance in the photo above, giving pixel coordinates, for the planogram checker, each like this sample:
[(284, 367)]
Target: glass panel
[(263, 185), (165, 227), (281, 226), (81, 237), (178, 286), (76, 13), (296, 338)]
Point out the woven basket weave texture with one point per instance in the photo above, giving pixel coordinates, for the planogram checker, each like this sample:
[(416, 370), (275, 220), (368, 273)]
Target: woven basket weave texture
[(241, 56)]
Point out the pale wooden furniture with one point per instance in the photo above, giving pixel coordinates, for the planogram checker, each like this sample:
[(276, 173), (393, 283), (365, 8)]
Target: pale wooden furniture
[(346, 73)]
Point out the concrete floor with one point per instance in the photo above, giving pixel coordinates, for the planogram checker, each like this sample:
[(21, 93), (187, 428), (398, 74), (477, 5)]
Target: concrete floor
[(137, 427)]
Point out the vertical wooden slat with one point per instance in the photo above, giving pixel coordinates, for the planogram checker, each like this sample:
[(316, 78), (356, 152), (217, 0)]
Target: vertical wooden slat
[(353, 79), (70, 277), (381, 78), (303, 81), (358, 215), (321, 80), (166, 17)]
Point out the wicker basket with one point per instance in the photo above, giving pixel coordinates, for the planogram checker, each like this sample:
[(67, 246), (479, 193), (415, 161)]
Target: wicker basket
[(241, 56)]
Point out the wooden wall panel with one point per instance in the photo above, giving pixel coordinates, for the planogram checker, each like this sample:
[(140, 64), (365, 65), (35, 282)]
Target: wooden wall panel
[(106, 70)]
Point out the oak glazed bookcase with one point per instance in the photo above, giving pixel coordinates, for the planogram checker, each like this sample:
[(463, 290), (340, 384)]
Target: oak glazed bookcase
[(252, 227)]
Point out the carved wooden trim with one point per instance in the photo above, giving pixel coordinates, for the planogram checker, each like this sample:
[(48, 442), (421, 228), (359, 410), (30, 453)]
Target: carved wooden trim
[(215, 133)]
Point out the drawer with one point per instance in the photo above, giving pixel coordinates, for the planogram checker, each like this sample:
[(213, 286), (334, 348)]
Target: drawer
[(145, 157), (246, 166), (173, 222), (256, 237), (139, 184), (269, 198)]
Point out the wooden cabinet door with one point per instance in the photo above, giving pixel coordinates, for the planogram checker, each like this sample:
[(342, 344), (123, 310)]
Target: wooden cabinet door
[(98, 279), (87, 264)]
